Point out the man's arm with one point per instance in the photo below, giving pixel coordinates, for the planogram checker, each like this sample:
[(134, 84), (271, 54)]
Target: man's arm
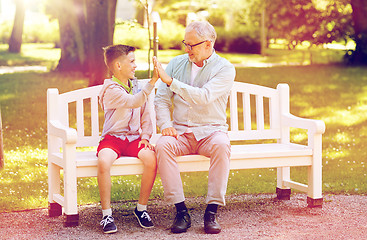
[(221, 83)]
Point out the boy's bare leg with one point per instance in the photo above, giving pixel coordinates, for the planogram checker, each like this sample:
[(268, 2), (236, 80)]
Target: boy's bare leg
[(148, 158), (106, 157)]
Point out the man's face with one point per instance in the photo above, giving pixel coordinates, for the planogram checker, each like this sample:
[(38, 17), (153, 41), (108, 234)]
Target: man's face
[(197, 54)]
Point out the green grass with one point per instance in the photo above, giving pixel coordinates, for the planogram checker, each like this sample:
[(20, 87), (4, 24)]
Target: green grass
[(332, 93)]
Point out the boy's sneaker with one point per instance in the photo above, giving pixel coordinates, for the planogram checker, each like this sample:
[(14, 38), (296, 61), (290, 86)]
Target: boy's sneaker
[(108, 224), (143, 218)]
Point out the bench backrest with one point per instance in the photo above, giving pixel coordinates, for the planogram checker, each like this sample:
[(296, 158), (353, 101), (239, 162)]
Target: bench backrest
[(254, 112)]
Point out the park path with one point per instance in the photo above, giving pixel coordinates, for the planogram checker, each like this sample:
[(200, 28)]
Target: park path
[(245, 217), (14, 69)]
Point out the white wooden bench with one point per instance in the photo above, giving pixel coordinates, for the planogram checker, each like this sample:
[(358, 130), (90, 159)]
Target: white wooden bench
[(272, 121)]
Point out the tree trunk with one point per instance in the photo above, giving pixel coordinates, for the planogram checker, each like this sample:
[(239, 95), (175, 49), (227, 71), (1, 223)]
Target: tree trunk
[(101, 25), (359, 14), (72, 24), (86, 26), (15, 41)]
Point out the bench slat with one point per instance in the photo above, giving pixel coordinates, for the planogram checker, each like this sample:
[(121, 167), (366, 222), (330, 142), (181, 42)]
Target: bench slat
[(242, 157), (80, 118), (259, 112), (270, 150), (246, 111)]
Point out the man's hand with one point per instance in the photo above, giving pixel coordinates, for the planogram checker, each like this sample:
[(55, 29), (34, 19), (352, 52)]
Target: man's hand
[(171, 131), (162, 74), (146, 144)]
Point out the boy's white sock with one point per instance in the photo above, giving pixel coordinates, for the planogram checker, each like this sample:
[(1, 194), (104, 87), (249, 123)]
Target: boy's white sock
[(141, 208), (107, 212)]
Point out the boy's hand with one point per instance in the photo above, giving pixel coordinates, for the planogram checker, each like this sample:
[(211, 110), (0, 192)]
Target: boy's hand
[(146, 144), (155, 72)]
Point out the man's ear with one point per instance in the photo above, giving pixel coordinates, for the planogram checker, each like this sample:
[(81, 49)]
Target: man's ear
[(208, 44)]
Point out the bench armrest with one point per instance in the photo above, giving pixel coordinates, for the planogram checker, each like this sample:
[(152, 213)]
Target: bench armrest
[(67, 134), (312, 125)]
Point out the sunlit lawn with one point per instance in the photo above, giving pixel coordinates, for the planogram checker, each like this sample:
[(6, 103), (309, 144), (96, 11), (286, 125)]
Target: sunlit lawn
[(335, 94)]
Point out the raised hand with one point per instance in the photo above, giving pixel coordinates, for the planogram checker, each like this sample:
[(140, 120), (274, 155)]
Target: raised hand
[(162, 74), (155, 75)]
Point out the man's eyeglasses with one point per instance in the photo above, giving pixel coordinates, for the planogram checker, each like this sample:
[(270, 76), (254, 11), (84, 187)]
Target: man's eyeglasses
[(191, 46)]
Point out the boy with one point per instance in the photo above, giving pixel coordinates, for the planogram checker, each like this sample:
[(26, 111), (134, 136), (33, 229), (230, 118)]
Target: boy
[(125, 115)]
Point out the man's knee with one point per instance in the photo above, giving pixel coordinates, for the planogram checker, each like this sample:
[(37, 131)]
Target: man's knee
[(221, 142), (163, 144)]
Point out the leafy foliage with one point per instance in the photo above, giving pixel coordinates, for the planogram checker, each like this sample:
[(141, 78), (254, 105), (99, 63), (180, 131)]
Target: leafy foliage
[(300, 20), (240, 40)]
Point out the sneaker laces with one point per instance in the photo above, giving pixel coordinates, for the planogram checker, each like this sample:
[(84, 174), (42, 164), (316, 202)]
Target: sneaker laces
[(107, 220), (146, 215)]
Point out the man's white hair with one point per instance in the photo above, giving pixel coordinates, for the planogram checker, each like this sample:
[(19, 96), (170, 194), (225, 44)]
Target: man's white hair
[(204, 30)]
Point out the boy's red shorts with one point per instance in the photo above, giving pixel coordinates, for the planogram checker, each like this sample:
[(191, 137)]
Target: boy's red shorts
[(121, 147)]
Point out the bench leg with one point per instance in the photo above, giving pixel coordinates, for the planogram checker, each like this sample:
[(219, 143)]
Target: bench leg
[(70, 187), (283, 194), (72, 220), (53, 183), (54, 210), (314, 195), (314, 202)]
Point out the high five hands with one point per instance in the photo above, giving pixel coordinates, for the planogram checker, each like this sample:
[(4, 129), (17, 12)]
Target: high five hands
[(158, 69)]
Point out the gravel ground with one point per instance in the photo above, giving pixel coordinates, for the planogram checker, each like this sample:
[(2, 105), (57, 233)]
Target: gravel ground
[(245, 217)]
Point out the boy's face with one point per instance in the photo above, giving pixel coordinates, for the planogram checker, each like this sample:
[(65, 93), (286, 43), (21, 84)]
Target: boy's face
[(125, 66)]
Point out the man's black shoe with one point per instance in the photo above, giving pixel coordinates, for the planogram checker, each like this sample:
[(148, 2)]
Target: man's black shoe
[(211, 225), (182, 222)]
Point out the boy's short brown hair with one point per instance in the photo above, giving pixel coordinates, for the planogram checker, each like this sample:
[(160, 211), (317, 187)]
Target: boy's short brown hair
[(112, 52)]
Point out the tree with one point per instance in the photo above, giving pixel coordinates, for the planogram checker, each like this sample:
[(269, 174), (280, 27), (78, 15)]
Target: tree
[(86, 26), (15, 41), (100, 28), (359, 56)]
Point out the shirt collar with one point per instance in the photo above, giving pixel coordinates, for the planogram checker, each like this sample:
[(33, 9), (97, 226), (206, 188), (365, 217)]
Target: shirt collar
[(210, 59), (128, 89)]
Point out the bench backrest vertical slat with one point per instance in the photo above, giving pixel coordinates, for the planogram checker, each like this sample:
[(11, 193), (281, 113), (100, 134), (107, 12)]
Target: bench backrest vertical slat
[(274, 111), (262, 131), (80, 118), (233, 111), (260, 112), (94, 116), (246, 111), (284, 109)]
